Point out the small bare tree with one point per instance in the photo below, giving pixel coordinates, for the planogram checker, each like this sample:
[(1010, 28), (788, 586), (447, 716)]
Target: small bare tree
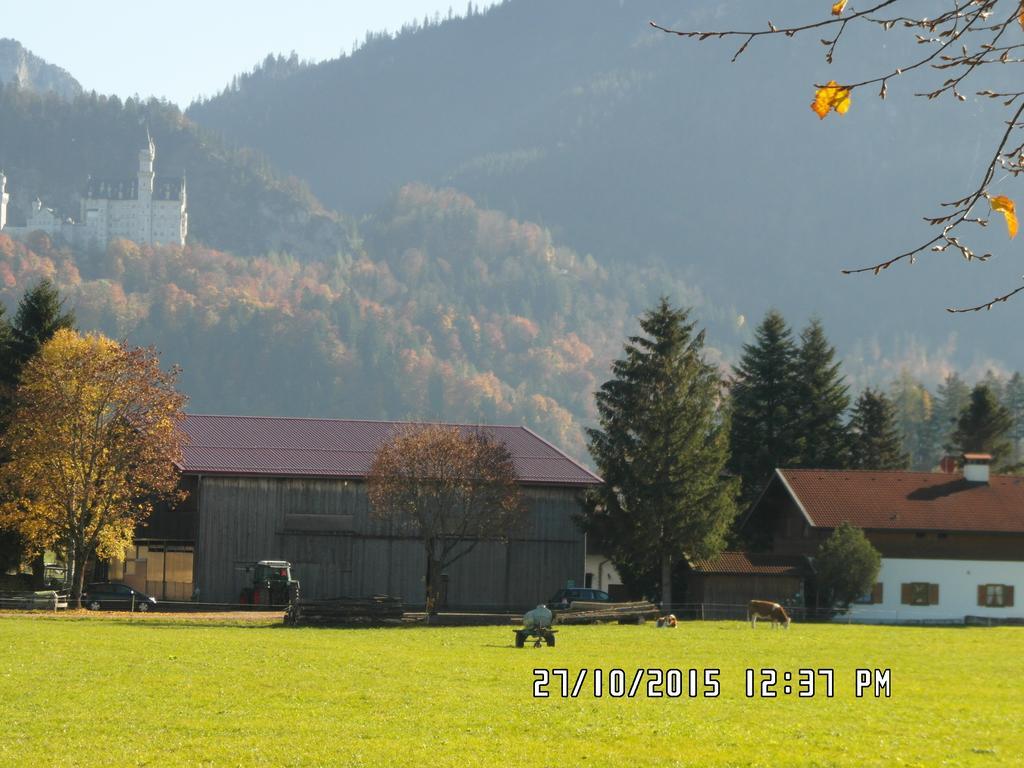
[(449, 487), (960, 41)]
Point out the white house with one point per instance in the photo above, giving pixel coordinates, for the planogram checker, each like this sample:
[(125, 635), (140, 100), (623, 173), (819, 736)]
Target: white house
[(952, 545)]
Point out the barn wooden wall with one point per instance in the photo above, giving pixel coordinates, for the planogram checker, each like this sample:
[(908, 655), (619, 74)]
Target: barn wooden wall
[(324, 529)]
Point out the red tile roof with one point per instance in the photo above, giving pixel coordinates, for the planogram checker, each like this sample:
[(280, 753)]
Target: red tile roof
[(751, 564), (907, 500), (286, 447)]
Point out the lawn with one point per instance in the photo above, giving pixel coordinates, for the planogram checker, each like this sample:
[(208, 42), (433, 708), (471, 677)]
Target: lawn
[(103, 691)]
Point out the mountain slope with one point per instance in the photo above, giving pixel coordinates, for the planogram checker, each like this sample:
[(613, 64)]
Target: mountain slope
[(445, 310), (22, 69), (641, 148)]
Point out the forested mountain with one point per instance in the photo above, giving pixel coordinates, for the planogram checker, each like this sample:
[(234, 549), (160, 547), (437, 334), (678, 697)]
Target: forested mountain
[(49, 147), (641, 148), (502, 195), (431, 307), (22, 69)]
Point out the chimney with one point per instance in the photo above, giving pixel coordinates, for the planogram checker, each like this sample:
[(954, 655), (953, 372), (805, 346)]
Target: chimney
[(976, 467)]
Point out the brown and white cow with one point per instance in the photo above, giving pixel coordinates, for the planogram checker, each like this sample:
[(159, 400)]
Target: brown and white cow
[(764, 609)]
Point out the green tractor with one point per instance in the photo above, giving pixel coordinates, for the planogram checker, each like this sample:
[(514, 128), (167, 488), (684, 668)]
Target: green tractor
[(272, 584)]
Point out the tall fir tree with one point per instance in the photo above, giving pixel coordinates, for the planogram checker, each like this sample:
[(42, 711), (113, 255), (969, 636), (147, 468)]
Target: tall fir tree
[(661, 448), (1013, 400), (995, 383), (875, 440), (11, 543), (951, 397), (765, 407), (40, 314), (823, 400), (913, 404), (983, 427)]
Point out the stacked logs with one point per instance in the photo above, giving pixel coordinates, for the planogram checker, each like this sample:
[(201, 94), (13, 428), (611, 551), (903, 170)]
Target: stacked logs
[(376, 611), (592, 613)]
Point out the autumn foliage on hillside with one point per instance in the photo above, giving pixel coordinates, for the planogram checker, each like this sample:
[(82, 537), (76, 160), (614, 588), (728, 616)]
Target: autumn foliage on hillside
[(442, 310)]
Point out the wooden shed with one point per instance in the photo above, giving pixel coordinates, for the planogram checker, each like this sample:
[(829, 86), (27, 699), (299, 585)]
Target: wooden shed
[(724, 585), (294, 489)]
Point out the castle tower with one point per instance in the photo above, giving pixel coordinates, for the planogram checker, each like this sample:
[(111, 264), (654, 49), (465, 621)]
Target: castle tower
[(4, 197), (147, 155)]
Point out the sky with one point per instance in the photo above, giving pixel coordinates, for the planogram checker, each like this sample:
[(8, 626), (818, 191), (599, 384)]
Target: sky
[(183, 49)]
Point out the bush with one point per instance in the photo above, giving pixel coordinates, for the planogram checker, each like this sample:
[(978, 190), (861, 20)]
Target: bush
[(846, 566)]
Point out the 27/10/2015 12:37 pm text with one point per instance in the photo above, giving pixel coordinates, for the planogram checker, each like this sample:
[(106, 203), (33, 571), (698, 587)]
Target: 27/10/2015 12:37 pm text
[(674, 683)]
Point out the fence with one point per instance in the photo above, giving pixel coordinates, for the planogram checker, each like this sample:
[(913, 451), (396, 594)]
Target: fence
[(41, 600)]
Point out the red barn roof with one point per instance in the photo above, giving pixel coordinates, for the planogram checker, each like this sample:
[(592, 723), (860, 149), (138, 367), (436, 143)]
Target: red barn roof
[(906, 500), (287, 447), (753, 564)]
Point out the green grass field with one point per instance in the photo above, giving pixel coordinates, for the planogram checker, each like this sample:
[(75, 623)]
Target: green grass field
[(106, 691)]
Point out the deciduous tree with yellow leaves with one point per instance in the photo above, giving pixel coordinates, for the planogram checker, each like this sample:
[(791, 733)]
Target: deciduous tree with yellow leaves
[(961, 39), (93, 444)]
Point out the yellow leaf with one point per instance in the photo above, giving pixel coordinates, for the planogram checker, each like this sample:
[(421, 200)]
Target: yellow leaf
[(831, 96), (1006, 207), (837, 8), (1020, 15)]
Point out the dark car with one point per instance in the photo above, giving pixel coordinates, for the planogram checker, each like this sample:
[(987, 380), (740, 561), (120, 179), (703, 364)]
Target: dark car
[(115, 597), (564, 598)]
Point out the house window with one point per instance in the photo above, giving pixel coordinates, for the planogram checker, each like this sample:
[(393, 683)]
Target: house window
[(919, 593), (995, 595), (874, 597)]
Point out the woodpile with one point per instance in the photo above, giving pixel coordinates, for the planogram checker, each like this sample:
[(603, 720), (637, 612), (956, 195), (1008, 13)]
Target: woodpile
[(592, 613), (376, 611)]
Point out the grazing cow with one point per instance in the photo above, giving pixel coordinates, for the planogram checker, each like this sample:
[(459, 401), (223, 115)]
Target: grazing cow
[(764, 609)]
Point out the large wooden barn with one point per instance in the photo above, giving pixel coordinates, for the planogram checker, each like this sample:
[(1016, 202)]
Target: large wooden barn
[(294, 489)]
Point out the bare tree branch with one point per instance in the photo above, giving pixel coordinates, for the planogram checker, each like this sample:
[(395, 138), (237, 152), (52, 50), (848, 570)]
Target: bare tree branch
[(968, 23)]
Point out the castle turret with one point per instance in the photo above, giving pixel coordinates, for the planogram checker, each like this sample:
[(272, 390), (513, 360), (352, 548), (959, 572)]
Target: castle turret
[(147, 155), (4, 197)]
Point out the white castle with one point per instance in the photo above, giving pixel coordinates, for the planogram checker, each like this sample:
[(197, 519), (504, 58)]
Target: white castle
[(148, 209)]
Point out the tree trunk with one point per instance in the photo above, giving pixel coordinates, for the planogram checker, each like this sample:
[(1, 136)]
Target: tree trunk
[(78, 558), (433, 583), (666, 583), (39, 570)]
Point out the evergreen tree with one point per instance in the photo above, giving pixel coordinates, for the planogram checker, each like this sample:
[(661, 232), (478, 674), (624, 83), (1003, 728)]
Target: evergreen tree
[(983, 427), (11, 542), (1013, 400), (995, 383), (823, 400), (951, 398), (38, 317), (765, 406), (875, 441), (913, 404), (661, 447), (8, 371)]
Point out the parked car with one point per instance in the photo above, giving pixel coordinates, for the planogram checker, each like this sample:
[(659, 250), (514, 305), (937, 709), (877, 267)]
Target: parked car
[(115, 597), (564, 598)]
